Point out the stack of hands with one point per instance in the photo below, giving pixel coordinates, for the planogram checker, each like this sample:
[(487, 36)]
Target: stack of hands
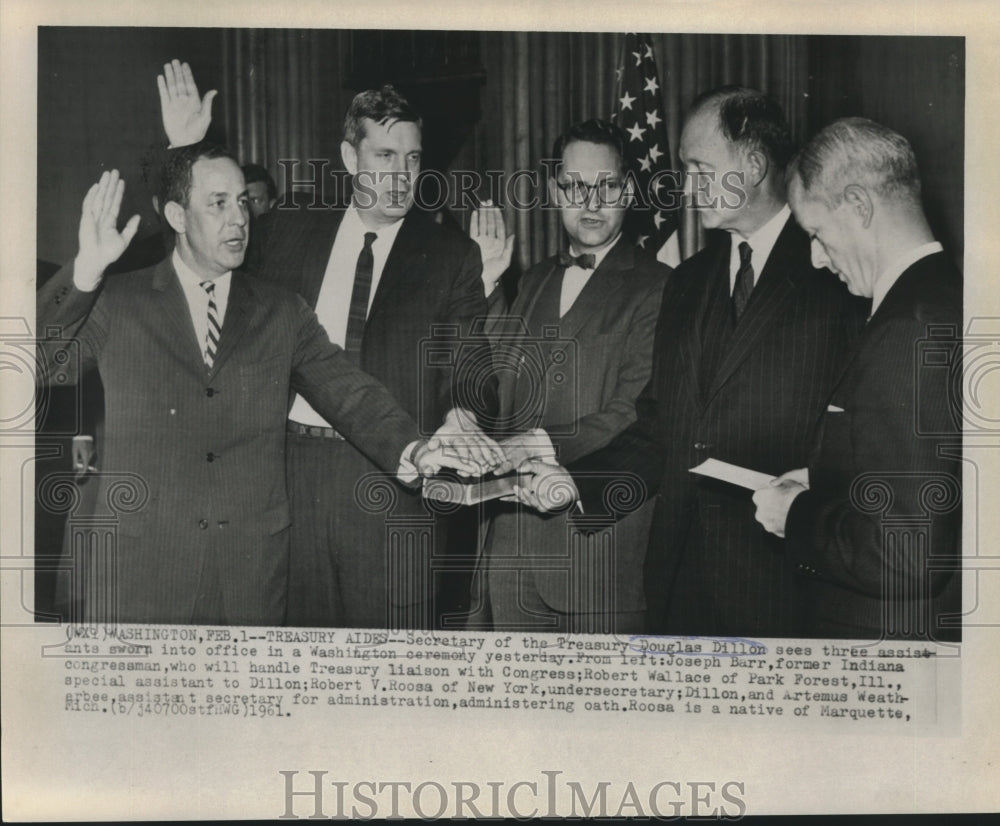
[(461, 445)]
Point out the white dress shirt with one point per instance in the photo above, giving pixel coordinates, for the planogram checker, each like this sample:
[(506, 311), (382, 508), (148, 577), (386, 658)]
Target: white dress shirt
[(197, 297), (897, 267), (334, 303), (576, 278), (761, 243)]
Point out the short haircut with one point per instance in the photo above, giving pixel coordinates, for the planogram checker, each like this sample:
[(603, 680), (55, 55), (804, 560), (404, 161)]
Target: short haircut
[(176, 183), (752, 120), (252, 173), (858, 151), (593, 131), (383, 106)]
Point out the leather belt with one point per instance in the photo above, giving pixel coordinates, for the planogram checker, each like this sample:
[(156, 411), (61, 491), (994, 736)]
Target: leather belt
[(314, 431)]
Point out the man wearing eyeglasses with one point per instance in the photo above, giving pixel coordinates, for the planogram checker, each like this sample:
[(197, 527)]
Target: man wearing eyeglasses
[(572, 354)]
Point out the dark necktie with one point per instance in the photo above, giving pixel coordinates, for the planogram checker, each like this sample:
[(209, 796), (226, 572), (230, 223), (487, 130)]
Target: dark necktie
[(744, 281), (214, 328), (585, 261), (358, 312)]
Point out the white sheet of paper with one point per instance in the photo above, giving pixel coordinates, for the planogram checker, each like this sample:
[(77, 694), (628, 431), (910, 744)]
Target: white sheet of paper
[(734, 474)]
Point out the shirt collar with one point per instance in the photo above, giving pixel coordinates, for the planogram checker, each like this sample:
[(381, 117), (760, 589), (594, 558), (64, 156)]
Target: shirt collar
[(764, 239), (601, 254), (189, 276), (353, 224), (897, 267)]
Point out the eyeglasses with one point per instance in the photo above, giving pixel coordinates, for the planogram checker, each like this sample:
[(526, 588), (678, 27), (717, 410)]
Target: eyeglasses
[(579, 193)]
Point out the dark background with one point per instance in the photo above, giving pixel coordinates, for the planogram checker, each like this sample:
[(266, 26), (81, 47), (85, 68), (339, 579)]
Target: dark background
[(491, 100)]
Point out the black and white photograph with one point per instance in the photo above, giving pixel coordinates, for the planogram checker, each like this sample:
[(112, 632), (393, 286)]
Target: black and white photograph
[(541, 410)]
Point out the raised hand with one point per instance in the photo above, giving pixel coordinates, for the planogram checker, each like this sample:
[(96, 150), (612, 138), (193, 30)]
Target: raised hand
[(186, 117), (101, 243), (486, 228)]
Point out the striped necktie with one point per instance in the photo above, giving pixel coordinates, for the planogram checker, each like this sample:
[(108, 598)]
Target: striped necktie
[(214, 328)]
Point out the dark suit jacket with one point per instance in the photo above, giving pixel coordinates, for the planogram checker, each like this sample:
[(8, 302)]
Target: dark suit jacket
[(208, 446), (584, 400), (710, 568), (883, 506), (417, 342), (427, 298)]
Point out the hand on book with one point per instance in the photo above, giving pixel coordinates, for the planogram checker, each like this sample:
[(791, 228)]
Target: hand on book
[(524, 447), (544, 486), (464, 447)]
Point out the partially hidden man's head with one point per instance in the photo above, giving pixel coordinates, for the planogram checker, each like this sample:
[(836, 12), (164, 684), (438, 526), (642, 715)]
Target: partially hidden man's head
[(734, 148), (261, 189), (590, 183), (204, 199), (381, 150), (851, 177)]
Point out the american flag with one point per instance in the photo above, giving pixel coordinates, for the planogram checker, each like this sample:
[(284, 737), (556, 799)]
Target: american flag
[(639, 111)]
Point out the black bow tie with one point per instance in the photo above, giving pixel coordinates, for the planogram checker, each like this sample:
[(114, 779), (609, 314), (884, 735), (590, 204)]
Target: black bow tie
[(585, 261)]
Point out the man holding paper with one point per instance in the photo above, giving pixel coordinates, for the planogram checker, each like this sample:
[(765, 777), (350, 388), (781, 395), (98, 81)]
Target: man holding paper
[(748, 344), (873, 523)]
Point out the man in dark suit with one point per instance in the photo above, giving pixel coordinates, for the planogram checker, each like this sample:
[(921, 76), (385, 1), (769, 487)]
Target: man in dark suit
[(391, 285), (197, 363), (573, 352), (748, 343), (873, 523)]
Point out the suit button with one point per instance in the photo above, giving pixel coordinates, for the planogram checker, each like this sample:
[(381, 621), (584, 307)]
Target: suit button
[(210, 391), (210, 457), (700, 445), (203, 524)]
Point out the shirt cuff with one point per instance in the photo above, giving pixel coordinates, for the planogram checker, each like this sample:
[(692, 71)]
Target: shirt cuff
[(407, 472), (85, 285), (540, 446)]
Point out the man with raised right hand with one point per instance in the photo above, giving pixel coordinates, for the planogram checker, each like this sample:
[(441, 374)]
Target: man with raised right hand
[(197, 362)]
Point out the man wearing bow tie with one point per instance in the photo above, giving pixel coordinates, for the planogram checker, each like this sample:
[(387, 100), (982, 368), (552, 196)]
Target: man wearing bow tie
[(572, 354)]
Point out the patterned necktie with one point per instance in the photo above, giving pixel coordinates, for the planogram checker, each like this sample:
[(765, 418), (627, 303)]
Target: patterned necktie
[(744, 281), (358, 312), (585, 261), (214, 328)]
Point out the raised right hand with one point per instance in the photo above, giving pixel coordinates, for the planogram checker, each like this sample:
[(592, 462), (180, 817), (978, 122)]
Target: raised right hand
[(486, 228), (186, 117), (101, 244)]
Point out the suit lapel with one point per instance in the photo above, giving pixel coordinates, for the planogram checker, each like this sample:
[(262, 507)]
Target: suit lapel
[(174, 308), (691, 307), (768, 301), (510, 349), (602, 283), (317, 242), (405, 264)]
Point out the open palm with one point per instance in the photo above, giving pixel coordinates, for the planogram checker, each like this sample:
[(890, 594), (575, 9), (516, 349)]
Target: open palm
[(186, 117), (101, 243)]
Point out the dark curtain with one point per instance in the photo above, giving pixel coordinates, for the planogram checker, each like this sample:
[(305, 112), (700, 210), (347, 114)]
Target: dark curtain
[(285, 93), (538, 83)]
